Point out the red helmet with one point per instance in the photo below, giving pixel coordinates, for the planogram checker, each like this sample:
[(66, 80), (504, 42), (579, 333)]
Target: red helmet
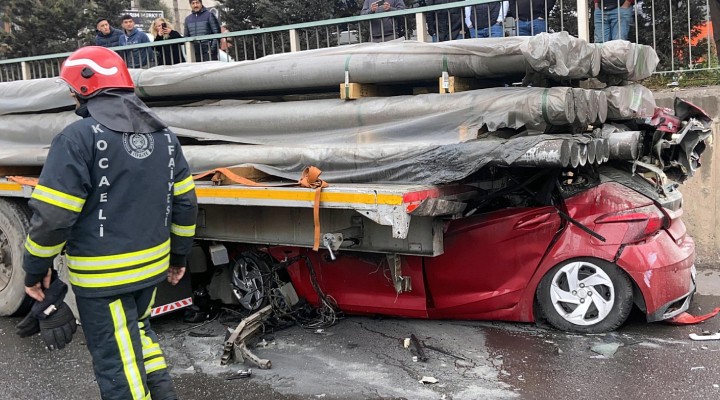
[(93, 68)]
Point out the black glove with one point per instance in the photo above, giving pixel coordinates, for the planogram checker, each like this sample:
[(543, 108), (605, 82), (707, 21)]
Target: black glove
[(56, 321), (28, 326), (57, 329)]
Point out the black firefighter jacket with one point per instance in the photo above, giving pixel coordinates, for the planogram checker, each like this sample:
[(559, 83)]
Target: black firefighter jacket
[(122, 204)]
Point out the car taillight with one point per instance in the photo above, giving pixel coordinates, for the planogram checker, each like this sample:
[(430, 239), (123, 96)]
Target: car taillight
[(642, 222)]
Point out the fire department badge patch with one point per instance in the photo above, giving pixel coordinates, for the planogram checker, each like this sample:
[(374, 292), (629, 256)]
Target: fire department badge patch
[(138, 145)]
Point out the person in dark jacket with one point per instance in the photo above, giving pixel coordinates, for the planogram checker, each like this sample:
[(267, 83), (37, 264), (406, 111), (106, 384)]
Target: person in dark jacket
[(117, 195), (135, 58), (383, 29), (531, 15), (486, 20), (106, 35), (202, 22), (167, 54), (445, 24)]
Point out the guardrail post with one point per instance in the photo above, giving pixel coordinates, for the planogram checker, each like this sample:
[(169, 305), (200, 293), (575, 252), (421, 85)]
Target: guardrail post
[(421, 33), (25, 71), (583, 20), (190, 52), (294, 41)]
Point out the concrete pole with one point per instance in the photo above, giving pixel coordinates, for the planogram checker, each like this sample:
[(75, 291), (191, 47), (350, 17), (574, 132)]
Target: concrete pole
[(294, 41), (421, 31), (176, 15), (583, 20), (25, 71)]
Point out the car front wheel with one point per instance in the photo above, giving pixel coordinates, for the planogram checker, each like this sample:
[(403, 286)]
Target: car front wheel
[(585, 295)]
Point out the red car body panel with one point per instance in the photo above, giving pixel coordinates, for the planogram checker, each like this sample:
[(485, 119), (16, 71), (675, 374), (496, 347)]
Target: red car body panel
[(357, 283), (493, 263), (661, 268), (487, 262)]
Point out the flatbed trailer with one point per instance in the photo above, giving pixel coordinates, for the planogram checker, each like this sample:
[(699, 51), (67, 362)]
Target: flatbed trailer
[(376, 217)]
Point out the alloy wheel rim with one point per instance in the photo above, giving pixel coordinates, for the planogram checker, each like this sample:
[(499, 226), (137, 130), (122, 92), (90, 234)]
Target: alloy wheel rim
[(248, 284), (582, 293)]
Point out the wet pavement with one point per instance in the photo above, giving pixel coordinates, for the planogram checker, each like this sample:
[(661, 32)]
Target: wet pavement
[(364, 358)]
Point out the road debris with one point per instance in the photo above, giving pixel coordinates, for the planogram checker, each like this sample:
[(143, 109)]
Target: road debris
[(235, 347), (202, 334), (686, 318), (696, 368), (705, 335), (606, 349), (241, 374), (428, 380), (418, 349)]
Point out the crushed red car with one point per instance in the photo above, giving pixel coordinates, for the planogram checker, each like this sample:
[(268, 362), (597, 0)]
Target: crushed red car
[(578, 248)]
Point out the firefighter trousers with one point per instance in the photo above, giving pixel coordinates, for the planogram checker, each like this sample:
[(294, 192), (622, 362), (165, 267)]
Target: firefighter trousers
[(127, 359)]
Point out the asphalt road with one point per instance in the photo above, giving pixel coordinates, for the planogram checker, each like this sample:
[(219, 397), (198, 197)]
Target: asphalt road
[(362, 358)]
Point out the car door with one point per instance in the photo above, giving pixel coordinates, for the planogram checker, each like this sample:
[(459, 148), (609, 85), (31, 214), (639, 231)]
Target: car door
[(488, 260)]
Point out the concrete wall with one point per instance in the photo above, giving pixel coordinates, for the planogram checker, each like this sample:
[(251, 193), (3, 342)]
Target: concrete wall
[(702, 192)]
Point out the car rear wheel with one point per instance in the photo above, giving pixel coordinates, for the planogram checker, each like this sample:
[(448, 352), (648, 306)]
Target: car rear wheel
[(585, 295)]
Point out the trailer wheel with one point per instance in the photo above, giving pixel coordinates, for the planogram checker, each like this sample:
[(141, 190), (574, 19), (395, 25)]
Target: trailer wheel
[(585, 295), (14, 223)]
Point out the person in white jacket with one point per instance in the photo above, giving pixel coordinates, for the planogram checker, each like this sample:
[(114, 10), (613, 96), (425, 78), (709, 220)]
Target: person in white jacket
[(486, 20)]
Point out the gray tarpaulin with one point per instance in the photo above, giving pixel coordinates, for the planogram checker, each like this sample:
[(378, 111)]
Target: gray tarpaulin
[(557, 55), (632, 101), (428, 118), (33, 96), (428, 138), (399, 163), (625, 61), (405, 162)]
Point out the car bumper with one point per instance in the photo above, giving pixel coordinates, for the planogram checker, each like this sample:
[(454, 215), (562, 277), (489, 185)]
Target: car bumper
[(674, 308), (664, 272)]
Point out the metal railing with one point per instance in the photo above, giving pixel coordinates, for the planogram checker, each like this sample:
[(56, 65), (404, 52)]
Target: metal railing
[(679, 32)]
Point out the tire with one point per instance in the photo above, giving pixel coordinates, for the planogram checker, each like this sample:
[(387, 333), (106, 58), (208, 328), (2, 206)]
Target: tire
[(585, 295), (251, 278), (14, 223)]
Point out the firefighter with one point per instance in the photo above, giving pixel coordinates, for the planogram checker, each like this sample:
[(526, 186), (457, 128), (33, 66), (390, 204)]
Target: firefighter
[(116, 193)]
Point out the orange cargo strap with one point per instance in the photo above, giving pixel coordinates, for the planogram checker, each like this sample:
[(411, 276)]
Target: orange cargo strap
[(220, 172), (24, 180), (311, 179)]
